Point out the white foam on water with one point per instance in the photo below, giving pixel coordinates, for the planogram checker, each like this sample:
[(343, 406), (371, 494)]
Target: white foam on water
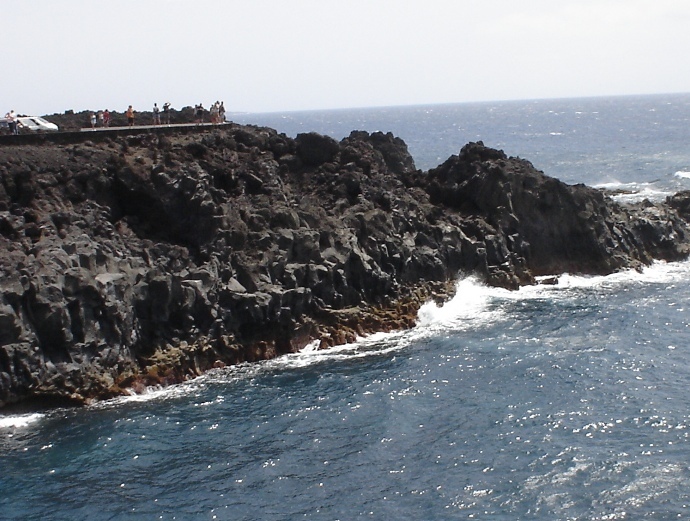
[(19, 421), (476, 304), (649, 483), (470, 307), (150, 394), (650, 194), (473, 306), (373, 345), (615, 185), (682, 174), (659, 272), (634, 192)]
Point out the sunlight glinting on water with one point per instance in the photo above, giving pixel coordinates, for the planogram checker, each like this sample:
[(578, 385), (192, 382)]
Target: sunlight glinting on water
[(473, 306), (556, 401)]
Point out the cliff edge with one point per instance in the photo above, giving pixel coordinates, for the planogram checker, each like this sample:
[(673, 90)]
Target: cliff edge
[(142, 259)]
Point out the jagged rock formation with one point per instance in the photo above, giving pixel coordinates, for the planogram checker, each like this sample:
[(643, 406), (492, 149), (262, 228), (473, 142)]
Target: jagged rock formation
[(556, 228), (146, 258)]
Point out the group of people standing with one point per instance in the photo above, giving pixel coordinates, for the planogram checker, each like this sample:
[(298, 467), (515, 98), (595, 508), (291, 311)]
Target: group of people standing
[(102, 117), (157, 113), (217, 111)]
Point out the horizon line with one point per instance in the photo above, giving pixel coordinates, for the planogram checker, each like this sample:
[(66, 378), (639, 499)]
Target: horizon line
[(408, 105)]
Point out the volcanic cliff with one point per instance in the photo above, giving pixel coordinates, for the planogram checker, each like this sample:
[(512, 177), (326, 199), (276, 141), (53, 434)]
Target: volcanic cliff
[(138, 258)]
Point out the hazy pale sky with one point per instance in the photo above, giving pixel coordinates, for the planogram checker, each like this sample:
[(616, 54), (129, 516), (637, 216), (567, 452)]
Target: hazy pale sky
[(281, 55)]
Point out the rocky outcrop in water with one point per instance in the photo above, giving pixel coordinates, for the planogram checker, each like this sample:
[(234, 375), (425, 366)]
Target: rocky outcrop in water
[(139, 259)]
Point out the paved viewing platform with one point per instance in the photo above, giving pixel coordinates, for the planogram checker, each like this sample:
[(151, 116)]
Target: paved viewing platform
[(149, 127), (102, 133)]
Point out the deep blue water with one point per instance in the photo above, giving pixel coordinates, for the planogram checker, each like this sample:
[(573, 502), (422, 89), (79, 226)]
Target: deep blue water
[(554, 402), (589, 140)]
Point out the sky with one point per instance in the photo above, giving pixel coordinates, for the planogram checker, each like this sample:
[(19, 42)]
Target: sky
[(288, 55)]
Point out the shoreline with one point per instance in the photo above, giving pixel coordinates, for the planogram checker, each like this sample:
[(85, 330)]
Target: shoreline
[(147, 256)]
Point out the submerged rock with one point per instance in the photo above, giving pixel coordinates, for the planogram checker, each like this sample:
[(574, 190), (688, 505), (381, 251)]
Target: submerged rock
[(149, 258)]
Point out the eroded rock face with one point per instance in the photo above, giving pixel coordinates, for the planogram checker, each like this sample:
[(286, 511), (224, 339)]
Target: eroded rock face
[(560, 228), (148, 258)]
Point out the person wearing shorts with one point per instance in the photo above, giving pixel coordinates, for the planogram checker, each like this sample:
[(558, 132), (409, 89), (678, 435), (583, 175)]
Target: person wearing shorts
[(130, 116)]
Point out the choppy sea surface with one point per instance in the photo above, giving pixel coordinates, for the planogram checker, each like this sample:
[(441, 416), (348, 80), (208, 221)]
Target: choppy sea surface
[(552, 402)]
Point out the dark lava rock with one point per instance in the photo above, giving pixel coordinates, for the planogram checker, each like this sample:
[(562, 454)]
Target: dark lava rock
[(145, 259), (314, 149)]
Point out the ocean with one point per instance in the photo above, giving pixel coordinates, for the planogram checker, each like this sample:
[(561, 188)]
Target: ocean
[(565, 402)]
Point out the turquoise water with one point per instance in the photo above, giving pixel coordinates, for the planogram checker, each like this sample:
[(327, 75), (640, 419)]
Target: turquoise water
[(553, 402)]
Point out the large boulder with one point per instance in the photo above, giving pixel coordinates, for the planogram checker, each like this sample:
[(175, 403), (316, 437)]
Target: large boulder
[(314, 149)]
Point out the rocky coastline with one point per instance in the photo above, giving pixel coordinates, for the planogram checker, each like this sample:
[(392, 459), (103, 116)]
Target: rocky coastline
[(145, 258)]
